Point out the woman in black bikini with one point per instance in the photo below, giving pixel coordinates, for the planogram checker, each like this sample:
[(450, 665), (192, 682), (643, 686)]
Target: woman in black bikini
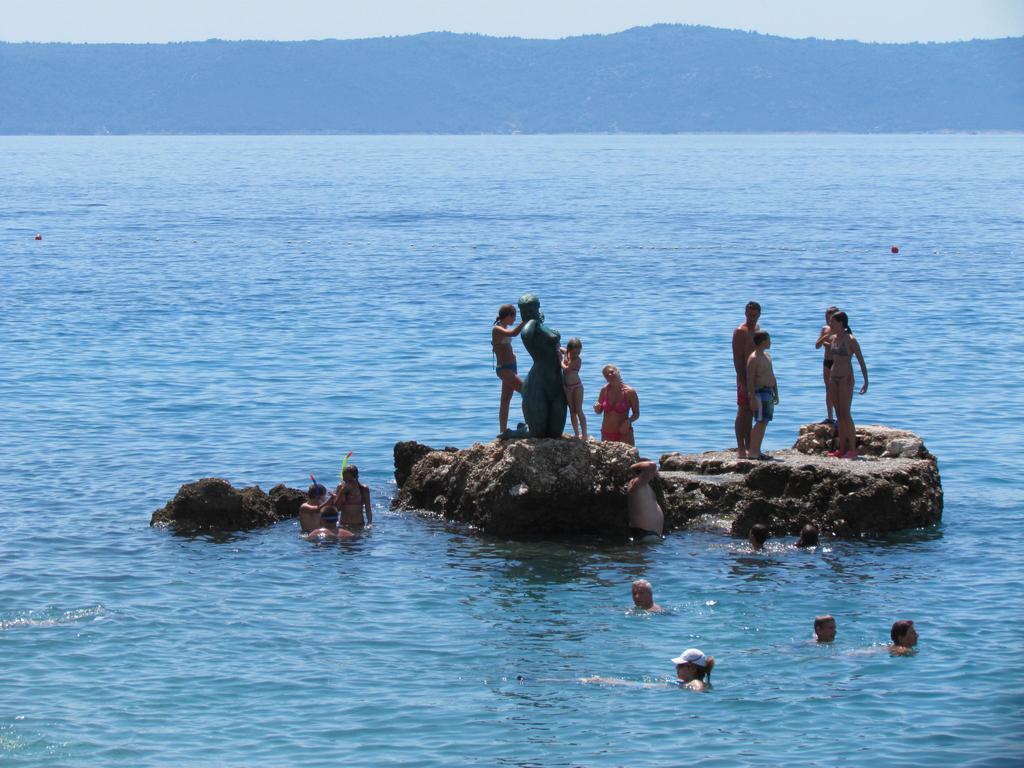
[(505, 368), (844, 346), (826, 363)]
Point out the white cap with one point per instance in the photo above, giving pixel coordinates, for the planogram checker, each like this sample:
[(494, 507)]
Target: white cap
[(691, 656)]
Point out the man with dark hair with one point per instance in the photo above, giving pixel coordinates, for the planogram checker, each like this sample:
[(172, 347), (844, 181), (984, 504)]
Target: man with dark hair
[(758, 535), (742, 346), (904, 637), (824, 628)]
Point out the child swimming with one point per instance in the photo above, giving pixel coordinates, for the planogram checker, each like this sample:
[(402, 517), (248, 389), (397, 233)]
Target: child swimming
[(317, 517), (571, 363)]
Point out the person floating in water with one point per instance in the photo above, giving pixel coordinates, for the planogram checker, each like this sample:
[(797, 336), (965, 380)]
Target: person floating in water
[(646, 516), (643, 597), (757, 536), (824, 629), (742, 346), (615, 401), (808, 536), (826, 363), (692, 666), (571, 363), (903, 636), (506, 368), (352, 500), (317, 516), (764, 392)]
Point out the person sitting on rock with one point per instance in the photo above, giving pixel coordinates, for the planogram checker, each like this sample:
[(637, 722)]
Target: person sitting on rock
[(808, 536), (764, 392), (824, 629), (757, 536), (904, 637), (692, 666), (646, 517), (643, 597), (352, 499), (317, 517)]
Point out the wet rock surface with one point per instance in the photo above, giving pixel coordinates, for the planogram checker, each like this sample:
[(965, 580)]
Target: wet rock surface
[(213, 504), (567, 486)]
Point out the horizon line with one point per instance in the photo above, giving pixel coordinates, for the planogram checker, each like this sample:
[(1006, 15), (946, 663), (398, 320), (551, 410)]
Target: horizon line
[(954, 41)]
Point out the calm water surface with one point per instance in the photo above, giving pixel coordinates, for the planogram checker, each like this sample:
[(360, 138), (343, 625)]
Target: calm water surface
[(253, 308)]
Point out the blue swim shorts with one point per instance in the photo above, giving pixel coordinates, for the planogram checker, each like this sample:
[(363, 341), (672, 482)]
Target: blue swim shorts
[(765, 404)]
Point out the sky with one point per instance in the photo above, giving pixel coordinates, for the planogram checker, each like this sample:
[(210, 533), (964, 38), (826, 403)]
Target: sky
[(159, 21)]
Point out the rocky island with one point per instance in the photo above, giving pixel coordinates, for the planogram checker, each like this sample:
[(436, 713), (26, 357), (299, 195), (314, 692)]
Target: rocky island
[(559, 486)]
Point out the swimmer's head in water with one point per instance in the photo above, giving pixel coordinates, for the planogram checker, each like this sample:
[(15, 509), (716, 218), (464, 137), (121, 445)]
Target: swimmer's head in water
[(529, 306), (903, 633), (824, 628), (316, 491), (574, 343), (692, 664), (643, 593), (808, 536), (351, 472), (758, 535)]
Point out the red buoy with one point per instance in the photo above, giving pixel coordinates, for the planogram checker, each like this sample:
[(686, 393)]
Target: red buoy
[(38, 236), (895, 249)]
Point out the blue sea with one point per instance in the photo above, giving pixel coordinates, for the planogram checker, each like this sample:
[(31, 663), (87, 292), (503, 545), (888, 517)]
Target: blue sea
[(254, 308)]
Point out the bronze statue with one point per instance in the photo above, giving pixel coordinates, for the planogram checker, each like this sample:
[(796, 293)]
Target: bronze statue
[(544, 404)]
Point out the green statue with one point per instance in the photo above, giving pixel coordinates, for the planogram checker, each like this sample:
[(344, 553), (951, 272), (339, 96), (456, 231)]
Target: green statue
[(544, 404)]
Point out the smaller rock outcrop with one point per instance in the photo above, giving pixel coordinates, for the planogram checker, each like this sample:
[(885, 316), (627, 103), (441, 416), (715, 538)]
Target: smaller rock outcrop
[(213, 504)]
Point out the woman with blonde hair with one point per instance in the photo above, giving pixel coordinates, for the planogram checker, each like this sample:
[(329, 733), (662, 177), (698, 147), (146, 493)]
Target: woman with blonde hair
[(620, 406)]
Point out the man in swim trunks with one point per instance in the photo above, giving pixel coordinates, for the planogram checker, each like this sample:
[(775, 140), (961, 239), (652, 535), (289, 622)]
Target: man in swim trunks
[(764, 391), (646, 518), (742, 346)]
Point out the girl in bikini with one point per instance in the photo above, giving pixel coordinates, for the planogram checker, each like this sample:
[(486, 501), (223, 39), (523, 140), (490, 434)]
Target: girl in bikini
[(505, 366), (826, 363), (352, 500), (615, 401), (844, 346), (574, 386)]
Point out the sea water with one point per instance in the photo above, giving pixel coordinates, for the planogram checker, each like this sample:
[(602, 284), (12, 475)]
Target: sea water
[(253, 308)]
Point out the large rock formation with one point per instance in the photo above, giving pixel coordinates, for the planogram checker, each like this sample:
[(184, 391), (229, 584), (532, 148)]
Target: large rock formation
[(519, 486), (213, 504), (568, 486)]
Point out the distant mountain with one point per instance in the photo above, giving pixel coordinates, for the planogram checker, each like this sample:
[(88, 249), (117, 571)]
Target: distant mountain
[(660, 79)]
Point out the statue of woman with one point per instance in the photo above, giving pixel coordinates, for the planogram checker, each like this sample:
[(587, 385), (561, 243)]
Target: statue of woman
[(544, 404)]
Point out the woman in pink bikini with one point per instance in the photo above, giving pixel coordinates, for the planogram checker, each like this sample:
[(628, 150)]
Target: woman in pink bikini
[(843, 346), (616, 401)]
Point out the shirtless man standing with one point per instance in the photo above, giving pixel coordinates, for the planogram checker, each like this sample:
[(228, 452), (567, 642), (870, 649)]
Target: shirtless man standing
[(742, 347), (646, 518)]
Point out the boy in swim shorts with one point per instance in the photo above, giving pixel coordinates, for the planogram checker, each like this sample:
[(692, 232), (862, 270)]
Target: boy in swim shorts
[(763, 389)]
